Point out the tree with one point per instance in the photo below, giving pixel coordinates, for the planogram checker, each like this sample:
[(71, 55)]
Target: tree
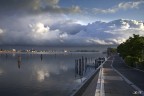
[(132, 48)]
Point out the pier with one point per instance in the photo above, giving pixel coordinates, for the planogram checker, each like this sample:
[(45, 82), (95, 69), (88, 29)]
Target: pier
[(111, 79)]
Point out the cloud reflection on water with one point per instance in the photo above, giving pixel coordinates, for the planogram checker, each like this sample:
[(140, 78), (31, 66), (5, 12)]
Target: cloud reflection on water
[(41, 72), (1, 71)]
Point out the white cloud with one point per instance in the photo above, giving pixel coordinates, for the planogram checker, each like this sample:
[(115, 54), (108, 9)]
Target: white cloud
[(98, 41), (120, 6), (129, 5), (63, 36), (114, 32), (40, 32), (70, 33), (40, 28)]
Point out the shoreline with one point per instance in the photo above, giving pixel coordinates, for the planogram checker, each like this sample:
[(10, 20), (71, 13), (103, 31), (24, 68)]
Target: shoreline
[(48, 52)]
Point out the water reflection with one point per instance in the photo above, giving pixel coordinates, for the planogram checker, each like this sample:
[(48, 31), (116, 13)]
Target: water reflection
[(63, 67), (45, 70), (44, 75), (13, 54), (1, 71), (6, 55)]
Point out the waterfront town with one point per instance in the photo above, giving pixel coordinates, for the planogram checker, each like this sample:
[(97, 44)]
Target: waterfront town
[(49, 51)]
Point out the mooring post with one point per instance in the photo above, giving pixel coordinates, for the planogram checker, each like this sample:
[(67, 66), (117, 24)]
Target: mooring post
[(80, 67), (85, 64)]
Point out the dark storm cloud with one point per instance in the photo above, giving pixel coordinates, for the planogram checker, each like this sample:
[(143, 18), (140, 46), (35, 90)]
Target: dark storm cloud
[(34, 6), (68, 26), (14, 5)]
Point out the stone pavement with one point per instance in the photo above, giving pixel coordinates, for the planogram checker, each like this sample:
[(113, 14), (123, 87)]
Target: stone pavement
[(134, 75), (113, 83)]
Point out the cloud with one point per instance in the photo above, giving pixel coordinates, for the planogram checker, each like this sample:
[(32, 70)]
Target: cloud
[(35, 6), (120, 6), (42, 34), (129, 5), (114, 32), (69, 26), (98, 41), (53, 7), (70, 33)]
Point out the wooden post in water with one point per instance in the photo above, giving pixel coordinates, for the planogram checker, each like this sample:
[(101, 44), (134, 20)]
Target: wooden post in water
[(95, 63), (85, 64), (76, 67), (82, 64), (19, 61), (80, 67), (41, 56)]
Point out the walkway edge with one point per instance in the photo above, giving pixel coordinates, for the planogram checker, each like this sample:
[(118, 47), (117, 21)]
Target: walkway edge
[(100, 84)]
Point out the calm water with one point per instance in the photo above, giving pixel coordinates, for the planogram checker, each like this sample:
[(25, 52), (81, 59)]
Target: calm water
[(51, 75)]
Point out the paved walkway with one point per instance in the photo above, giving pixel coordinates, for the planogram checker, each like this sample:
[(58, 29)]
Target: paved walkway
[(112, 83), (134, 75)]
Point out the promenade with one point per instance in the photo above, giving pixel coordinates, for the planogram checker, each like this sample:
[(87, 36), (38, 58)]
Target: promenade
[(108, 82), (114, 84)]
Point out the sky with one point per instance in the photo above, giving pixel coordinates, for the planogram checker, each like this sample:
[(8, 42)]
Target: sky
[(70, 22)]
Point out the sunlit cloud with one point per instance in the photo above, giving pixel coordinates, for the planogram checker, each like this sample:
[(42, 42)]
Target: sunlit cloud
[(120, 6), (97, 41), (70, 33)]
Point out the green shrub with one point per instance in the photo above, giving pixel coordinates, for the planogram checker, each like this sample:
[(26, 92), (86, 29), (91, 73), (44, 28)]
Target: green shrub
[(131, 61)]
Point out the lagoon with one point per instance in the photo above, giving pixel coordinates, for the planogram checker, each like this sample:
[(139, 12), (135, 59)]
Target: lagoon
[(49, 75)]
